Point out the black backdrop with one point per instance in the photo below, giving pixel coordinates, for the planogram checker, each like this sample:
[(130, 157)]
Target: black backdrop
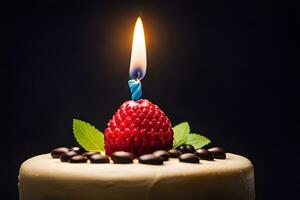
[(220, 65)]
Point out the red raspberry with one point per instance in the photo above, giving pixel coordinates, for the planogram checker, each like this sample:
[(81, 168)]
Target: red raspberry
[(139, 127)]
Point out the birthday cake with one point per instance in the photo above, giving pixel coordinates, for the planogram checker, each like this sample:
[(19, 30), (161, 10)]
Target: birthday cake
[(140, 156), (44, 178), (139, 163)]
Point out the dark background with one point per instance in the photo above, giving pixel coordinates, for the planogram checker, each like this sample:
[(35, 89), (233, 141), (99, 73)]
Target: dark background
[(220, 65)]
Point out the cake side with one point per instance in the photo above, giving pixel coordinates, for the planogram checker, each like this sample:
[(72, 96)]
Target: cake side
[(42, 177)]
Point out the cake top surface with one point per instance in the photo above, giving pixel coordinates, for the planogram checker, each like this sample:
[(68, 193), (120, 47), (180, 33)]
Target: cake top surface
[(46, 166)]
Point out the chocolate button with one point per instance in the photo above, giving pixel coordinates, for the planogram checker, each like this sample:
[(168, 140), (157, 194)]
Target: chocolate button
[(98, 158), (204, 154), (78, 150), (174, 153), (78, 159), (150, 159), (189, 158), (162, 154), (186, 148), (122, 157), (65, 157), (89, 154), (56, 153), (218, 152)]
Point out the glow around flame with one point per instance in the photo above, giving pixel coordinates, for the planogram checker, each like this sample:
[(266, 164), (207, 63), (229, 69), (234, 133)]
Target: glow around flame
[(138, 62)]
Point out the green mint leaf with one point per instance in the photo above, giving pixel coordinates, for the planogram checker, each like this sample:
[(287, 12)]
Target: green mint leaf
[(197, 140), (88, 136), (181, 133)]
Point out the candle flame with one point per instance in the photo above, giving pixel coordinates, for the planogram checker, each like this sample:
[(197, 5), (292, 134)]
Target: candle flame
[(138, 62)]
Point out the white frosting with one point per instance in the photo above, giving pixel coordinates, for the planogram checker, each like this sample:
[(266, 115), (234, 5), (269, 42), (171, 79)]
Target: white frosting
[(45, 178)]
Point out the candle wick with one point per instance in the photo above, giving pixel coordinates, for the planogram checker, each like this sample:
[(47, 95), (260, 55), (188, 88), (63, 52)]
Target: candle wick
[(138, 76)]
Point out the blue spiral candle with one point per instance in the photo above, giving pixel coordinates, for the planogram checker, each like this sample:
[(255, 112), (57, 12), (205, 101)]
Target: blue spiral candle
[(138, 62), (135, 89)]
